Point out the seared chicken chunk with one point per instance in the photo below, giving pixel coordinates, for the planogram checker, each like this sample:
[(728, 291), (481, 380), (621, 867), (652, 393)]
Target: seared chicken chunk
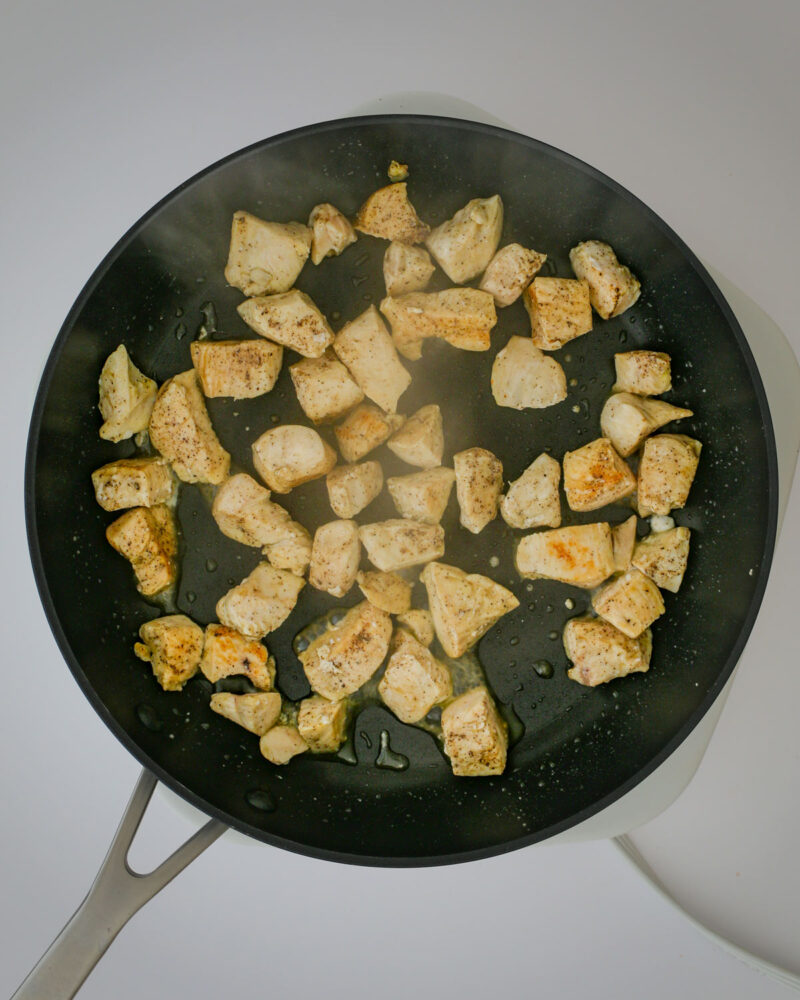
[(463, 606), (559, 310), (335, 556), (400, 543), (181, 430), (242, 369), (387, 591), (464, 317), (631, 602), (397, 171), (414, 681), (647, 373), (595, 476), (663, 556), (351, 488), (464, 245), (321, 724), (666, 472), (172, 646), (146, 537), (581, 555), (475, 737), (422, 496), (601, 653), (510, 272), (406, 268), (363, 430), (420, 440), (279, 744), (348, 654), (612, 287), (126, 397), (133, 482), (626, 420), (265, 257), (261, 602), (244, 512), (324, 388), (532, 500), (257, 713), (479, 483), (389, 215), (623, 539), (419, 623), (524, 378), (291, 551), (364, 345), (331, 232), (228, 653), (290, 319), (291, 455)]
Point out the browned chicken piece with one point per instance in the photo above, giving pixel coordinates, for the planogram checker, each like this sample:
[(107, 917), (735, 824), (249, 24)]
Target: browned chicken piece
[(623, 539), (290, 319), (663, 556), (422, 496), (261, 602), (257, 713), (228, 653), (291, 551), (321, 724), (532, 500), (351, 488), (241, 369), (335, 555), (126, 397), (510, 272), (581, 555), (397, 171), (612, 286), (647, 373), (181, 430), (601, 653), (364, 345), (631, 602), (389, 215), (475, 737), (666, 472), (146, 537), (265, 257), (559, 310), (133, 482), (595, 476), (291, 455), (464, 317), (399, 544), (626, 420), (419, 623), (172, 646), (244, 512), (479, 484), (331, 232), (414, 681), (464, 245), (406, 268), (420, 440), (524, 378), (387, 591), (324, 388), (363, 430), (279, 744)]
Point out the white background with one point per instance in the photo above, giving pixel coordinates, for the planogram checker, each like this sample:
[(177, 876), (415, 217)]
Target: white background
[(107, 107)]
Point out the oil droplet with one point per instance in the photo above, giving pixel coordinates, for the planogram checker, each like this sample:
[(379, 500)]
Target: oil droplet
[(569, 604), (529, 587), (361, 260), (552, 635), (211, 565), (532, 606), (358, 279), (231, 582), (544, 668), (494, 562), (300, 644), (568, 357), (347, 754), (179, 312), (576, 408), (549, 609), (622, 336), (573, 382), (260, 799), (191, 597), (180, 331), (275, 418), (149, 718), (367, 739), (514, 640), (388, 758), (336, 314)]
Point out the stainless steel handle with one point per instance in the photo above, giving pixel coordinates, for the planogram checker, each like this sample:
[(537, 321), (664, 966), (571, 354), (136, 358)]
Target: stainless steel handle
[(116, 894)]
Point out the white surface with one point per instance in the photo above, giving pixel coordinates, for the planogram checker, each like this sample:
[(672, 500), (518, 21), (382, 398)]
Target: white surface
[(689, 106)]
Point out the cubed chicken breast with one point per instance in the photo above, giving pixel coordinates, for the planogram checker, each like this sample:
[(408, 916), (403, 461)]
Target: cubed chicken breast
[(387, 591), (623, 539), (626, 420), (464, 245), (524, 378), (612, 287), (291, 551), (631, 602), (244, 512), (265, 257), (464, 317), (279, 744), (339, 661), (463, 606), (291, 455), (322, 724), (419, 623), (646, 373), (510, 272), (666, 472), (146, 537), (532, 500), (126, 397), (399, 544), (595, 476), (601, 653), (363, 430), (257, 713), (290, 319), (414, 681), (242, 369), (228, 653), (475, 736), (581, 555), (181, 430), (172, 646), (397, 171), (261, 602), (559, 310), (335, 555), (422, 496), (351, 488), (663, 556), (324, 388), (389, 215), (420, 440), (331, 232), (364, 345), (406, 268), (479, 483), (133, 482)]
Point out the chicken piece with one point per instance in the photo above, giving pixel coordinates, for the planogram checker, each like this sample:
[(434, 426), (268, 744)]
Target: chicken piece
[(400, 543), (559, 310), (279, 744), (146, 537), (581, 555), (420, 440), (364, 345), (265, 257), (331, 232), (663, 556), (291, 551), (612, 287), (595, 476), (631, 602), (244, 512), (532, 500), (324, 388), (464, 317), (351, 488), (348, 654), (510, 272), (524, 378), (126, 397), (666, 472), (422, 496), (133, 482), (464, 245), (389, 215), (475, 737), (479, 483), (363, 430), (290, 319), (419, 623), (623, 539), (261, 602), (256, 713), (172, 646), (626, 420), (601, 653), (463, 606), (646, 373), (406, 268), (228, 653), (335, 556), (181, 430), (321, 724), (414, 681), (387, 591), (291, 455), (397, 171), (241, 369)]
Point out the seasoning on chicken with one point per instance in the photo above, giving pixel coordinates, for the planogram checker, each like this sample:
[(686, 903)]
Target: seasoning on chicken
[(559, 310), (631, 602), (414, 681), (321, 723), (126, 397), (265, 257), (626, 420), (663, 556), (181, 430), (244, 512), (524, 378), (331, 232), (324, 388), (351, 488), (666, 472), (510, 272), (479, 483), (257, 713), (475, 737), (464, 245), (261, 602), (363, 430), (387, 591), (420, 440), (228, 653), (291, 551), (172, 646), (241, 369), (419, 623), (623, 539), (389, 215), (335, 555), (422, 496), (290, 319), (464, 317), (406, 268), (612, 287), (601, 653), (146, 537), (399, 544), (595, 476), (279, 744), (291, 455), (133, 482), (532, 501), (364, 345), (647, 373), (581, 555)]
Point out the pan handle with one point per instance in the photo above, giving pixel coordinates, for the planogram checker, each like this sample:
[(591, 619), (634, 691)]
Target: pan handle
[(116, 894)]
